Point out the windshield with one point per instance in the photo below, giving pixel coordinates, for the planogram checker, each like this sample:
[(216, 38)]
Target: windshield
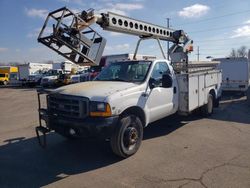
[(2, 75), (128, 71), (52, 72)]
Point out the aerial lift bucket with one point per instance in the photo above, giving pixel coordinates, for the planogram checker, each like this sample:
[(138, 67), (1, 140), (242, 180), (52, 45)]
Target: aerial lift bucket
[(62, 34)]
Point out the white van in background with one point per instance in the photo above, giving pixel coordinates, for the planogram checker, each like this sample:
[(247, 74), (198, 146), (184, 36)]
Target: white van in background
[(235, 73)]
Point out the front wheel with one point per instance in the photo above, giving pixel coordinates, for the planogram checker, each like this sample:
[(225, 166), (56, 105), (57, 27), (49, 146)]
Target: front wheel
[(127, 136), (5, 82), (207, 109)]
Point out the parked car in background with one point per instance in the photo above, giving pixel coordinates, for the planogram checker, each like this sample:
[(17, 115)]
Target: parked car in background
[(34, 79), (50, 79), (93, 72)]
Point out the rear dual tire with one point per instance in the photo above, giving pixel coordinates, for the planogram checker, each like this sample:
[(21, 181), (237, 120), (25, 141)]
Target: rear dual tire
[(207, 109), (248, 96)]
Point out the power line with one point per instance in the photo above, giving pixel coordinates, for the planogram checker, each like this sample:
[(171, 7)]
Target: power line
[(201, 49), (216, 17), (221, 44), (219, 39), (217, 28), (212, 54)]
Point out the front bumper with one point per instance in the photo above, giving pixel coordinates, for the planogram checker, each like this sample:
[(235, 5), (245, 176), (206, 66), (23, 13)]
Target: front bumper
[(88, 127)]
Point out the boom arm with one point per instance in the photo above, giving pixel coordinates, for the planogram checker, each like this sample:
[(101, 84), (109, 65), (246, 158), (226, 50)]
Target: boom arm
[(72, 31)]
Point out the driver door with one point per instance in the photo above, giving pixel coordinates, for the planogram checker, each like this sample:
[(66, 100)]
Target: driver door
[(160, 100)]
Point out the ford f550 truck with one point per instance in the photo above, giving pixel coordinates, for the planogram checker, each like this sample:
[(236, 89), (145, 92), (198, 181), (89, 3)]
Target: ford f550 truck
[(127, 95)]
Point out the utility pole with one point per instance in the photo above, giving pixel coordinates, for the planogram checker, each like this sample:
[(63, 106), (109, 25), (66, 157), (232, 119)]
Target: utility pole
[(168, 19), (198, 53)]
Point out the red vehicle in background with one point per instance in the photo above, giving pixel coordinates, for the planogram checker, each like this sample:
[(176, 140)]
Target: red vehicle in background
[(93, 72)]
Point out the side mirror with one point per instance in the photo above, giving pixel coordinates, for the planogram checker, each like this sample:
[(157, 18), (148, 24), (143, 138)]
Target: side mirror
[(151, 83), (167, 81)]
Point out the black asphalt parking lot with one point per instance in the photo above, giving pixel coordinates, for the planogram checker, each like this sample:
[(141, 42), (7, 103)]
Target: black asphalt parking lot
[(175, 152)]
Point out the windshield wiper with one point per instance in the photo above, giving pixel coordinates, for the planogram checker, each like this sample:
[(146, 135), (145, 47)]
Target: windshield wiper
[(115, 79), (119, 79)]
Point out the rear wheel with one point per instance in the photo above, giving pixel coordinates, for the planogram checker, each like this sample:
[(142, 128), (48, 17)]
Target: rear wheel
[(248, 96), (207, 109), (127, 136)]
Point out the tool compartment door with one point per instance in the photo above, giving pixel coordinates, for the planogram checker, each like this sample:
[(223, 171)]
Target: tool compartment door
[(193, 92), (202, 90), (211, 79)]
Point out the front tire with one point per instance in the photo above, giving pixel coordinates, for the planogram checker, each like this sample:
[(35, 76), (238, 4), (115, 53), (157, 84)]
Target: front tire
[(207, 109), (5, 82), (127, 136)]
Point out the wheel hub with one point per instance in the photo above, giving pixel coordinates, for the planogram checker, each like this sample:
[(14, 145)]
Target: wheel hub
[(131, 136)]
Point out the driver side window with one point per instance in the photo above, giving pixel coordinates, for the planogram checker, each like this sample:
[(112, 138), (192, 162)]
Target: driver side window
[(160, 68)]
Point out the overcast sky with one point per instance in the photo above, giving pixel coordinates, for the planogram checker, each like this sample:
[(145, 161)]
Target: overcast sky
[(215, 26)]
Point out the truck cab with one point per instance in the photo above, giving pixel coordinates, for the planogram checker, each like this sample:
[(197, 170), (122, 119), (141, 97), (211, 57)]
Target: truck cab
[(141, 86), (4, 78), (7, 74)]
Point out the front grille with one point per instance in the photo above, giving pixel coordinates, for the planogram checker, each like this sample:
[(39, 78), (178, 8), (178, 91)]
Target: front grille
[(67, 106)]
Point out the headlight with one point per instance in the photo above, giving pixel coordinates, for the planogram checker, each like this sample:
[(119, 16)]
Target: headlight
[(100, 109)]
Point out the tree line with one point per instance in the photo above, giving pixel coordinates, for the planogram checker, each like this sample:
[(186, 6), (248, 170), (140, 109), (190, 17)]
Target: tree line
[(240, 52)]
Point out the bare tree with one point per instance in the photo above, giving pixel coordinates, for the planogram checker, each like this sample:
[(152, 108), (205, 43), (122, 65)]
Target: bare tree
[(233, 53), (240, 52)]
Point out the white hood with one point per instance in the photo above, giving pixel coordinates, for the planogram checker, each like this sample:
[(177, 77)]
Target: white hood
[(95, 90)]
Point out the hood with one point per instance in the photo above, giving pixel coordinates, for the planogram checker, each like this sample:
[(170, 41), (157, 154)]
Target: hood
[(95, 90)]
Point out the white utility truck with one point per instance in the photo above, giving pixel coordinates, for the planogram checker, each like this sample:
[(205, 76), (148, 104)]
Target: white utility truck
[(235, 73), (32, 73), (28, 69), (129, 95)]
